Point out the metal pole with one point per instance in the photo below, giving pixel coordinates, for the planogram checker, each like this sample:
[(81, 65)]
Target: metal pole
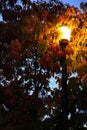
[(64, 90)]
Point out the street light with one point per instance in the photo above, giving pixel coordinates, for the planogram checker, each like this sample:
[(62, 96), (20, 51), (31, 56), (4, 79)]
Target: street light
[(64, 32)]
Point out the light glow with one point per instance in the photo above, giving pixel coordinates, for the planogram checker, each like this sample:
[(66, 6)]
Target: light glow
[(64, 32)]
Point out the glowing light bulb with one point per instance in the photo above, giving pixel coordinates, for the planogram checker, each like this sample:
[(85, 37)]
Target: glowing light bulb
[(64, 32)]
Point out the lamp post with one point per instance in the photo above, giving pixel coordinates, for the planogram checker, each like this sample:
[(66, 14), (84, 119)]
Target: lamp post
[(65, 37)]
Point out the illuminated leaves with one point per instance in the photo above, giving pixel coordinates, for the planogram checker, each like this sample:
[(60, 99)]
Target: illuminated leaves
[(74, 19), (69, 50)]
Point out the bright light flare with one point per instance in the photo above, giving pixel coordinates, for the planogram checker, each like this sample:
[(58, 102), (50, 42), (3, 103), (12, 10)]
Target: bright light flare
[(64, 32)]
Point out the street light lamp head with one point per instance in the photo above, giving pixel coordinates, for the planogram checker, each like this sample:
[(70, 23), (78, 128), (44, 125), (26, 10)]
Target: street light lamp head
[(65, 32)]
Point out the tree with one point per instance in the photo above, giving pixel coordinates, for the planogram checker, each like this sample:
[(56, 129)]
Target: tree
[(83, 6), (30, 54)]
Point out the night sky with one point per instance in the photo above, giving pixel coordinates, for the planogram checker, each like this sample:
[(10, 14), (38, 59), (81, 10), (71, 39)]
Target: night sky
[(76, 3)]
